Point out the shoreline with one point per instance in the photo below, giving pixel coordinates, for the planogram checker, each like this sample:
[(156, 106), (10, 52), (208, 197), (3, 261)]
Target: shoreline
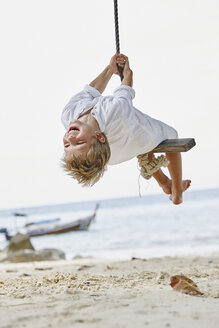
[(91, 292)]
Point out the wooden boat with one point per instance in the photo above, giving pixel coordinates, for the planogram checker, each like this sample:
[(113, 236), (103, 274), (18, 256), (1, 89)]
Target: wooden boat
[(51, 227)]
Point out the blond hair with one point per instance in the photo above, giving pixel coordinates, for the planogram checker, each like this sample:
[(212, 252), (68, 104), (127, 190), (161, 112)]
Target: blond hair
[(89, 170)]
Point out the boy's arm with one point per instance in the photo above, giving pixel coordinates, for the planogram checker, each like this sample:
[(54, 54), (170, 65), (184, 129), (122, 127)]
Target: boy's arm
[(128, 74), (102, 80), (125, 95)]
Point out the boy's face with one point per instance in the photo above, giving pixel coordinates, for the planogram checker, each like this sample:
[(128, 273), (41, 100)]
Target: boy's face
[(79, 138)]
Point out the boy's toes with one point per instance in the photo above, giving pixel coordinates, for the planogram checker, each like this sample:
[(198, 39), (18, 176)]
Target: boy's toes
[(186, 184)]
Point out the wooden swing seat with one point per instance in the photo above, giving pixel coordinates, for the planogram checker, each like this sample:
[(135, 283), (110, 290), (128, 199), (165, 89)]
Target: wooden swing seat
[(174, 145)]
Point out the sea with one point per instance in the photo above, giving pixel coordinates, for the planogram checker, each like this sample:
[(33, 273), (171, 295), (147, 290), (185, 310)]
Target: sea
[(148, 226)]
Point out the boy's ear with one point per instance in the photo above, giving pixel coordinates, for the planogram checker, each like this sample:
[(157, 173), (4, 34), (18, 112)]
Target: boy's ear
[(100, 136)]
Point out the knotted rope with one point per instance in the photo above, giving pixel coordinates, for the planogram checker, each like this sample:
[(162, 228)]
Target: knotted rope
[(148, 168)]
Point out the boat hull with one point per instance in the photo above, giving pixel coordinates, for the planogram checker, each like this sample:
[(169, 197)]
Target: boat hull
[(82, 224)]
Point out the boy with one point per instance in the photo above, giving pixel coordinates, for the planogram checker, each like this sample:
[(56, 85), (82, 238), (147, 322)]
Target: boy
[(109, 130)]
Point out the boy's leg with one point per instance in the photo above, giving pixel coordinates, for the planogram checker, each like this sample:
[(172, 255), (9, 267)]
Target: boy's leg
[(163, 181), (175, 170), (176, 186)]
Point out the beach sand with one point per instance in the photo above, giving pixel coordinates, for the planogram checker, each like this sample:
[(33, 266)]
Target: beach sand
[(106, 293)]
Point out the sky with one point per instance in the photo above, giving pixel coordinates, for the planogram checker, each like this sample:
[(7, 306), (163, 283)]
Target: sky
[(50, 49)]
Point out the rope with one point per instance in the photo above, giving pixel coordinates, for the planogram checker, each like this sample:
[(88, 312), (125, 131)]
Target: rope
[(117, 36), (148, 168)]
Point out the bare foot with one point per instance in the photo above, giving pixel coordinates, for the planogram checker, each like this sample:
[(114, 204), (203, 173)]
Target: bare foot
[(167, 186), (185, 184), (176, 195)]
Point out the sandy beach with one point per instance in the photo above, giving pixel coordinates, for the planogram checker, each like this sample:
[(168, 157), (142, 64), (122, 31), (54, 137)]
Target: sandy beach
[(103, 293)]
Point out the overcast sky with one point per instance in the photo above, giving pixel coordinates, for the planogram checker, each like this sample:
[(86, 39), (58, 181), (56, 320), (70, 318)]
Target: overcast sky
[(50, 49)]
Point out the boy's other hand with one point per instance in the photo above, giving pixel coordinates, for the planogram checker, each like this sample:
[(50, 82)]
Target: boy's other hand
[(127, 73), (117, 59), (126, 69)]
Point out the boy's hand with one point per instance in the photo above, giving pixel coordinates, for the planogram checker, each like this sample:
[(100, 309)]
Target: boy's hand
[(126, 69), (117, 59), (127, 73)]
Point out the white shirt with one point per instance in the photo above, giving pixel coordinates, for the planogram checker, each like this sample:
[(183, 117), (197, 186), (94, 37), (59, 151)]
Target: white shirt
[(129, 131)]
